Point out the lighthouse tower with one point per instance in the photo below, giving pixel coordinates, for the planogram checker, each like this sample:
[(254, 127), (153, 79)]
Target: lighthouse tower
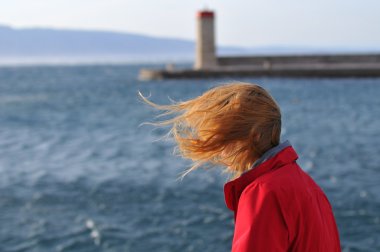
[(205, 57)]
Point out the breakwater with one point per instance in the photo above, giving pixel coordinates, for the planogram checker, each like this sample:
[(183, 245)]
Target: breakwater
[(339, 65)]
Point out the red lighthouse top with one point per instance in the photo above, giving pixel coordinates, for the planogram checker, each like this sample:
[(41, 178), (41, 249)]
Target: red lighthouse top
[(205, 14)]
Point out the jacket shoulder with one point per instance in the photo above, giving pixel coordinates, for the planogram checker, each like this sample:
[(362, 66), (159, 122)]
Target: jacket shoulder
[(276, 181)]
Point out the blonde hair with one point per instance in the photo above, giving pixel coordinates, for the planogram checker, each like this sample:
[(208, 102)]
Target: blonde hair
[(230, 125)]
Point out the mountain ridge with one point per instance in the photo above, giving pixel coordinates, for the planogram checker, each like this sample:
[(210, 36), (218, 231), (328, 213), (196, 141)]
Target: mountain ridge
[(100, 45)]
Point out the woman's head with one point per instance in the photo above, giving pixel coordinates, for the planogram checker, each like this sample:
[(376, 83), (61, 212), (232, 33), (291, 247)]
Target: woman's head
[(230, 125)]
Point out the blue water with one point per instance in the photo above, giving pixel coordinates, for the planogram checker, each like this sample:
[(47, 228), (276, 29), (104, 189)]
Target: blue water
[(78, 173)]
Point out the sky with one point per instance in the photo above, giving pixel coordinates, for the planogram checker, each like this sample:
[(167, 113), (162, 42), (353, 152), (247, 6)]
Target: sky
[(318, 23)]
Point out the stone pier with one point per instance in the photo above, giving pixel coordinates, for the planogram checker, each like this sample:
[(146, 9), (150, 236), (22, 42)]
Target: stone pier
[(208, 65)]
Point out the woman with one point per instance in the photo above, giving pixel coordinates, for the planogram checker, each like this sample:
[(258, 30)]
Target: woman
[(277, 206)]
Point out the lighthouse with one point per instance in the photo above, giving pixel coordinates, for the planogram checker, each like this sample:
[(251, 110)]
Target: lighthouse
[(205, 57)]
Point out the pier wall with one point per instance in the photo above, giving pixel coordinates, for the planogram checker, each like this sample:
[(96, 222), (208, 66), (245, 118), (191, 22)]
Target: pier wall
[(298, 60)]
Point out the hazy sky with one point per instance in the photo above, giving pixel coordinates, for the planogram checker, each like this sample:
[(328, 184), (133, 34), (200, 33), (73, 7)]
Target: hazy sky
[(320, 23)]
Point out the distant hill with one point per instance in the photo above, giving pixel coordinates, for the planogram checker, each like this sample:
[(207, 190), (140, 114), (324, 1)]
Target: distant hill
[(55, 45), (43, 43), (38, 41)]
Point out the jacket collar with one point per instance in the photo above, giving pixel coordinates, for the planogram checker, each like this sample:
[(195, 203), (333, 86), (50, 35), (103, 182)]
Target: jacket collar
[(274, 158)]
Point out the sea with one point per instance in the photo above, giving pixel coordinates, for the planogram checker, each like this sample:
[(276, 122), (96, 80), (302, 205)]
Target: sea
[(80, 170)]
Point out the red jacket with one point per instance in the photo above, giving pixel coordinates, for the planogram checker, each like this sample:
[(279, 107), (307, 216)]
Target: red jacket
[(278, 207)]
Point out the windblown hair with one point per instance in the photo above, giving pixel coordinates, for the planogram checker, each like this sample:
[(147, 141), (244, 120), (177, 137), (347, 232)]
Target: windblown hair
[(230, 125)]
